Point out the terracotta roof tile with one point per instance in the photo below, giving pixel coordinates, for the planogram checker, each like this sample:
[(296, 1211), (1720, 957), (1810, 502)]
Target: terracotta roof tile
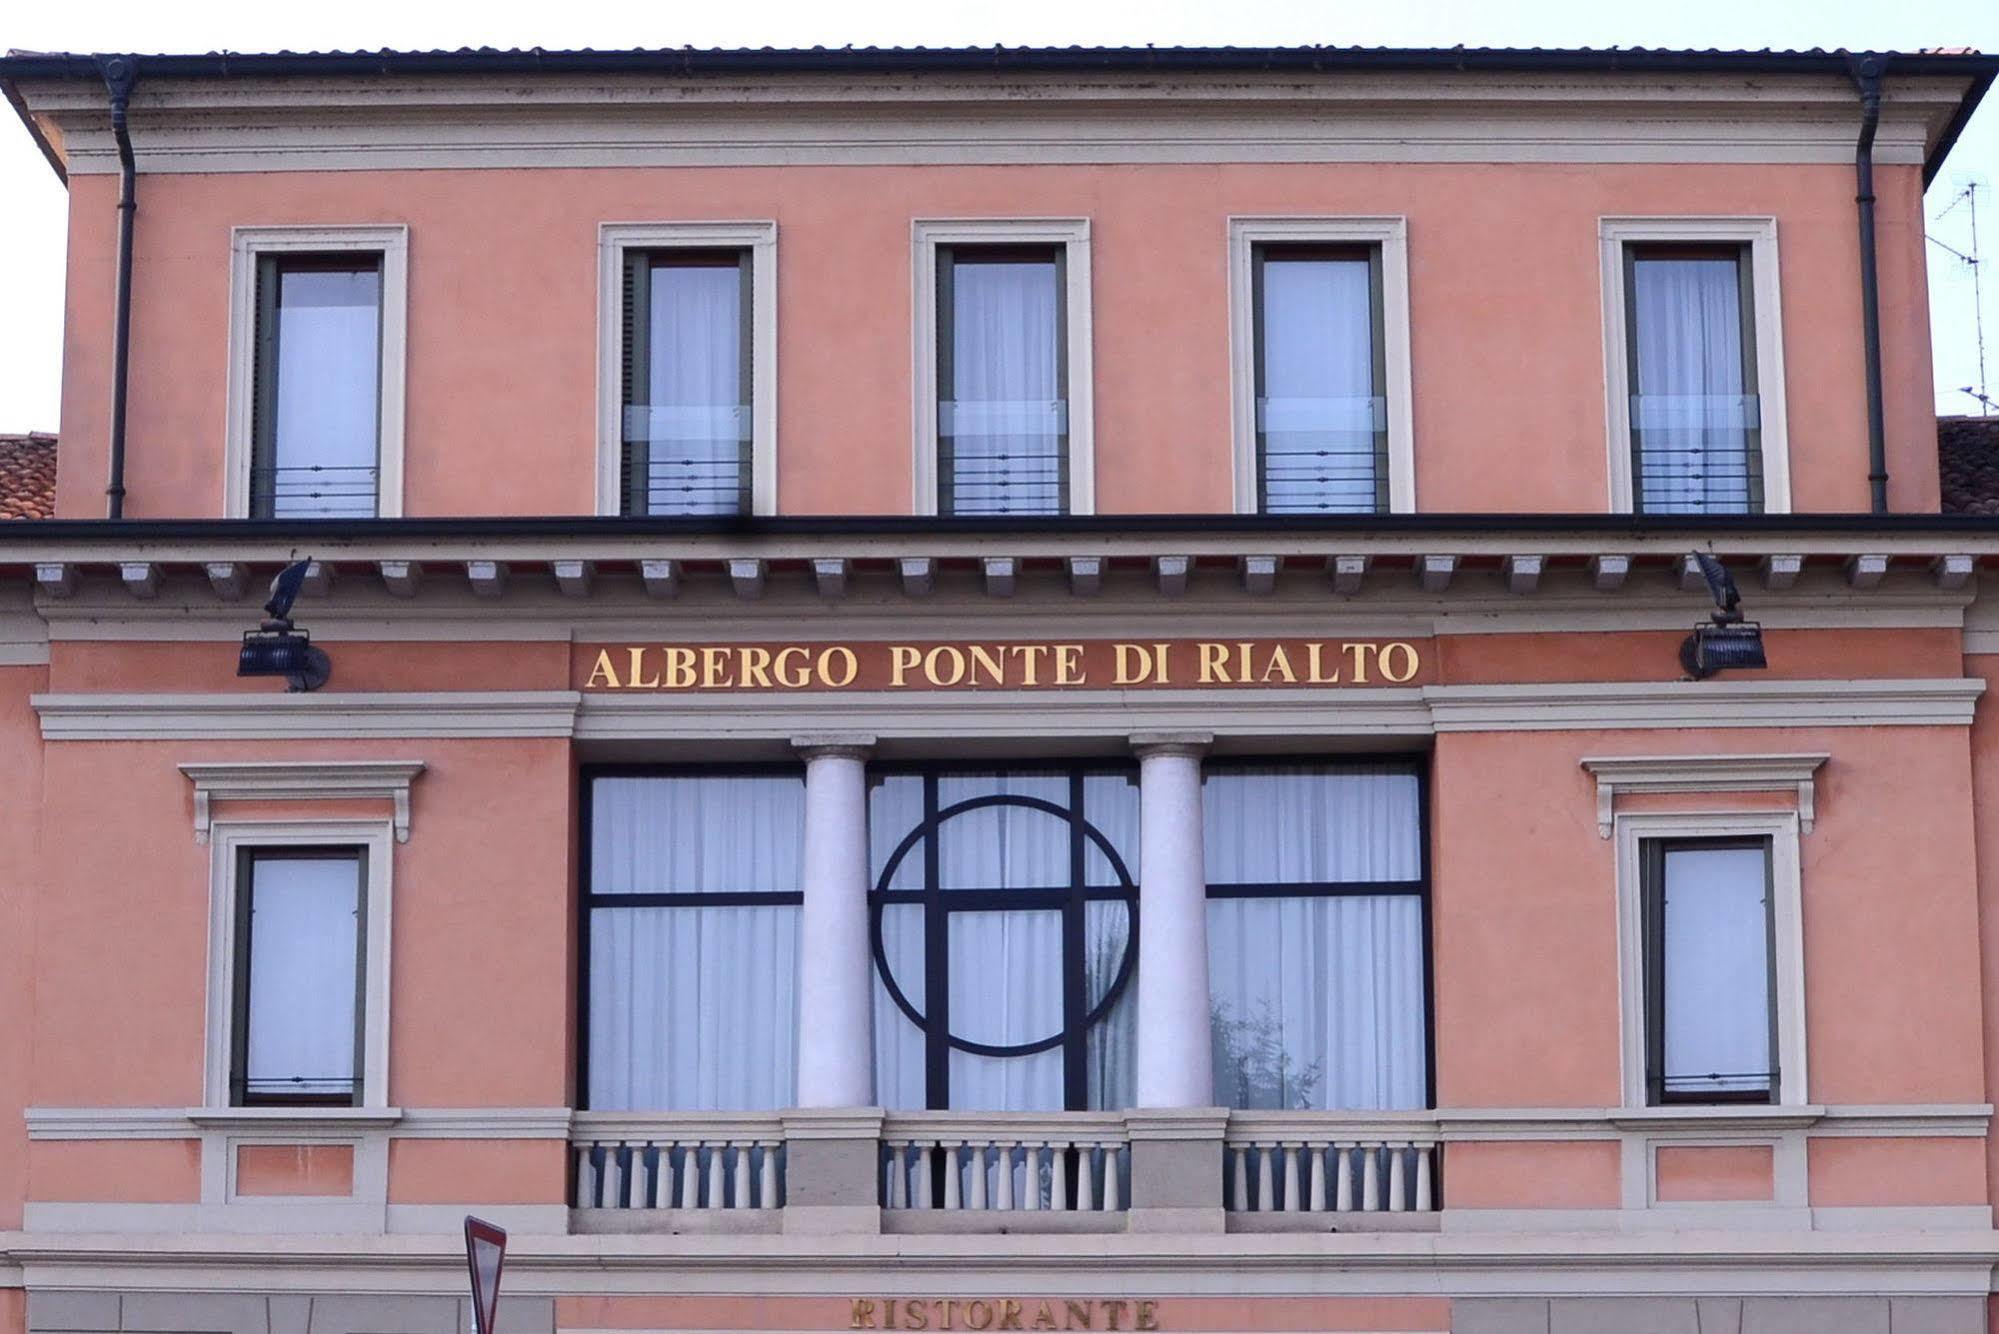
[(1968, 455), (28, 476)]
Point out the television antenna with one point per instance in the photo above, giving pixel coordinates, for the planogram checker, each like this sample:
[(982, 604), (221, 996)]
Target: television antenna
[(1969, 257)]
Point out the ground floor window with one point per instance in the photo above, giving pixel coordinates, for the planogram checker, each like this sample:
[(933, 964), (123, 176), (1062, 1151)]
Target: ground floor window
[(1318, 931), (690, 918), (1005, 937)]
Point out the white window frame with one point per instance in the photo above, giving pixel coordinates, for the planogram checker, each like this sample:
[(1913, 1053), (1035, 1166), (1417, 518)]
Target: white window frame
[(1073, 234), (759, 237), (1786, 943), (247, 245), (1391, 236), (1760, 235), (228, 839)]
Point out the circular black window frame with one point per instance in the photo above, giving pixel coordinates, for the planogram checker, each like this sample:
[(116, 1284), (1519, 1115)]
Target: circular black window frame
[(1125, 892)]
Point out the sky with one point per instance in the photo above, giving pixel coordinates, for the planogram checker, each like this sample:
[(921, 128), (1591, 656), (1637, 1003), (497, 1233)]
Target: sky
[(32, 201)]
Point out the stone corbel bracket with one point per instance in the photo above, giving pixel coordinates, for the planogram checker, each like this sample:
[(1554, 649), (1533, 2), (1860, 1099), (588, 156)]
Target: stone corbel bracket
[(1701, 774), (304, 780)]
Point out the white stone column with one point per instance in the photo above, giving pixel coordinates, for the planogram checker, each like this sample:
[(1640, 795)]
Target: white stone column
[(1175, 1067), (835, 1027)]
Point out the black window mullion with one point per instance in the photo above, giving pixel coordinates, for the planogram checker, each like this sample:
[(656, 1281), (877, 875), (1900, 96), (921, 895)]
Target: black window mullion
[(239, 1029), (936, 960), (1652, 910), (1075, 1000)]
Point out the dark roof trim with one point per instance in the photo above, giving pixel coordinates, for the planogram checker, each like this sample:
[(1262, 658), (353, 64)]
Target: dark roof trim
[(1695, 529), (1933, 163), (914, 60), (14, 100)]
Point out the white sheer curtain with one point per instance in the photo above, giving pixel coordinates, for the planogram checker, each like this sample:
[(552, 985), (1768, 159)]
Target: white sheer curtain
[(1717, 970), (1006, 988), (697, 423), (1005, 417), (304, 953), (1317, 998), (1691, 410), (328, 392), (1319, 413), (692, 1007)]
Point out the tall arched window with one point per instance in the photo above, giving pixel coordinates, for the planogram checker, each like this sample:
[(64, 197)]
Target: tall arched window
[(1005, 937)]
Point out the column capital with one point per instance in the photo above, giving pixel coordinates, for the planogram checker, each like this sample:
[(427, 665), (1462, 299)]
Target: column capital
[(847, 745), (1193, 744)]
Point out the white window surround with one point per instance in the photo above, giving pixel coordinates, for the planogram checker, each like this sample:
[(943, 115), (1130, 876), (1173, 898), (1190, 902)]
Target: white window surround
[(1074, 235), (760, 239), (246, 246), (1760, 235), (301, 780), (1705, 773), (228, 839), (1391, 235), (1787, 939)]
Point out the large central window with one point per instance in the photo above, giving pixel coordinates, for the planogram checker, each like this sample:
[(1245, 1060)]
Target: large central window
[(1005, 924)]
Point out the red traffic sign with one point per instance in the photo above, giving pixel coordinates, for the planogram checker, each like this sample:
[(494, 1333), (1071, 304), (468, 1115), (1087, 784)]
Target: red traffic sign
[(485, 1252)]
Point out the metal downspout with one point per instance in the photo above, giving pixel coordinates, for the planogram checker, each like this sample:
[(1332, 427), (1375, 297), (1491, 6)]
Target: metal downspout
[(1867, 74), (120, 73)]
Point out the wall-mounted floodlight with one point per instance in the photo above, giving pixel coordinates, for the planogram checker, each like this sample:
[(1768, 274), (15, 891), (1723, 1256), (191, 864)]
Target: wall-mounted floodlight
[(1726, 642), (275, 648)]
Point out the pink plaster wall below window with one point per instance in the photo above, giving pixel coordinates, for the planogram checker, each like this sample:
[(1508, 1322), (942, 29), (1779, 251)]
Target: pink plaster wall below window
[(156, 1171), (1896, 1171), (492, 1171), (295, 1169), (1574, 1175), (1691, 1173)]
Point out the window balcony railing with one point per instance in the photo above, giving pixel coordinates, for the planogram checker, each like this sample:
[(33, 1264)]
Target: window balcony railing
[(1303, 1162), (681, 1162), (993, 1171), (1077, 1162)]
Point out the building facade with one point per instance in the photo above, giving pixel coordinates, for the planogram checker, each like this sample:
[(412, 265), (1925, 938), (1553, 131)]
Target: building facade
[(999, 690)]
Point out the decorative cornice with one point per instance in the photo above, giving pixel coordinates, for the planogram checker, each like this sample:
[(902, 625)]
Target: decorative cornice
[(222, 717), (301, 780), (1703, 773), (1107, 714)]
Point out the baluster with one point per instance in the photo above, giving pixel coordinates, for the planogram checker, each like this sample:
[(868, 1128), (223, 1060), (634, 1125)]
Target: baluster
[(1423, 1201), (898, 1168), (1291, 1196), (717, 1190), (925, 1151), (1112, 1202), (1343, 1186), (741, 1197), (1396, 1154), (767, 1182), (1317, 1152), (1086, 1177), (641, 1178), (1241, 1201), (1003, 1183), (1031, 1177), (690, 1175), (978, 1169), (1370, 1182), (1266, 1177), (614, 1176), (1058, 1175), (948, 1160), (586, 1176)]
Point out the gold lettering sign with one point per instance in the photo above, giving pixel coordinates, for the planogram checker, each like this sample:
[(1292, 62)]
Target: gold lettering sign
[(1090, 664), (1127, 1316)]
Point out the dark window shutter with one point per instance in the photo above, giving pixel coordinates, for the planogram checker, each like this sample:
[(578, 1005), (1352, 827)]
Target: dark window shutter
[(634, 372)]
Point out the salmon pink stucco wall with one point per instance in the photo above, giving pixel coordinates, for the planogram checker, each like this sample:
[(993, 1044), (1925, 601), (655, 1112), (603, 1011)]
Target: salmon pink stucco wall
[(1506, 319), (20, 871), (481, 925), (1525, 912)]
